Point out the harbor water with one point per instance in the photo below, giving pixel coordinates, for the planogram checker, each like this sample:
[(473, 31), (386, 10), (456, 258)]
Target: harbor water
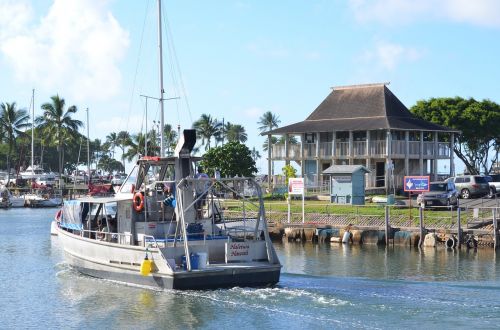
[(322, 286)]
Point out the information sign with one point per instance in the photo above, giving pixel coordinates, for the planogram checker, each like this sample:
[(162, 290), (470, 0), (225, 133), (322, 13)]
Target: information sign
[(416, 183)]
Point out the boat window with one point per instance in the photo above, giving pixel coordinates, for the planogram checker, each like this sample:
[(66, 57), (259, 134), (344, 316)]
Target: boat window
[(129, 183)]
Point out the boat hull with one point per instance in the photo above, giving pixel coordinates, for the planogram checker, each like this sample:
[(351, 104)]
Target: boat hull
[(123, 265)]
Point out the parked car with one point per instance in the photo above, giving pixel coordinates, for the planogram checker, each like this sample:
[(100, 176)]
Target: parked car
[(440, 194), (494, 182), (470, 185)]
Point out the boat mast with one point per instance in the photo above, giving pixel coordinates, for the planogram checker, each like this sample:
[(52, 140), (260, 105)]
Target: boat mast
[(33, 132), (160, 62), (88, 145)]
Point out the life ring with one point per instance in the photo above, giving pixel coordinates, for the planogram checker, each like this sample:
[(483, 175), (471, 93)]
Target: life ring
[(138, 201)]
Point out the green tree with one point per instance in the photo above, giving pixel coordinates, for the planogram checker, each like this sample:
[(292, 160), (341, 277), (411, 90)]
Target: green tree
[(170, 136), (236, 132), (12, 120), (110, 165), (135, 147), (232, 159), (122, 141), (58, 124), (479, 123), (267, 122), (112, 141), (255, 154), (207, 128), (289, 172)]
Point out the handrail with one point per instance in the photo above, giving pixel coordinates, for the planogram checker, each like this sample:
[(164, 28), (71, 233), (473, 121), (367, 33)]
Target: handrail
[(158, 247)]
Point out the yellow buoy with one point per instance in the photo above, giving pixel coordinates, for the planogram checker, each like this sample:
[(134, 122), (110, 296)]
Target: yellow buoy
[(146, 266)]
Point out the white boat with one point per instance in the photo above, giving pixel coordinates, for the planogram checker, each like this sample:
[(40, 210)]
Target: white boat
[(158, 239), (4, 197), (37, 172), (8, 200), (17, 201), (41, 198)]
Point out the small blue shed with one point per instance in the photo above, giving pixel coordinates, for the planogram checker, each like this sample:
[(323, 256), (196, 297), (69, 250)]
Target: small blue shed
[(347, 183)]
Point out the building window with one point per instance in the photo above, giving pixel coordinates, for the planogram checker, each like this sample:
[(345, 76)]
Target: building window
[(359, 136), (310, 137)]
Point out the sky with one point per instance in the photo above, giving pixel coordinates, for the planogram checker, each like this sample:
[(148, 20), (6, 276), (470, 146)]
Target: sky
[(236, 59)]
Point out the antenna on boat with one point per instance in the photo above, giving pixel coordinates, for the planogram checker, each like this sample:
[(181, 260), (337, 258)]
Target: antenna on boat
[(88, 145), (161, 129), (160, 60), (33, 132)]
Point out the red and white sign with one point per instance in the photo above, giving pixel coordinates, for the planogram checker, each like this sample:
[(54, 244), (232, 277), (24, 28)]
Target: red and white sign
[(296, 186)]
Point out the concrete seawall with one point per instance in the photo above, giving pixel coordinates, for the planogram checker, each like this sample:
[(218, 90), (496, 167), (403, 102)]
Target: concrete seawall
[(377, 235)]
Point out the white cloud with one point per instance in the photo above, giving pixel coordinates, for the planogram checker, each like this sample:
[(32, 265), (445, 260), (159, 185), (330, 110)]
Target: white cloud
[(389, 55), (477, 12), (75, 48), (14, 17), (393, 12)]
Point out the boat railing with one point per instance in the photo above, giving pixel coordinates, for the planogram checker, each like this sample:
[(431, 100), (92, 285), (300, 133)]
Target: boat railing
[(109, 237), (248, 205), (150, 242)]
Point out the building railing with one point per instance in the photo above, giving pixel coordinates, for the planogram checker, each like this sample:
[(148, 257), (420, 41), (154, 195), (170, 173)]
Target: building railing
[(278, 151), (398, 147), (325, 149), (428, 149), (309, 149), (414, 148), (359, 148), (378, 147), (443, 149), (294, 150), (341, 149)]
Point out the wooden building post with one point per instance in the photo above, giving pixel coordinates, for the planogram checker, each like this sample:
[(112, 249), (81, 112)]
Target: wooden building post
[(452, 154), (435, 157), (287, 153), (421, 156), (318, 160), (368, 160), (407, 153), (334, 148), (351, 147)]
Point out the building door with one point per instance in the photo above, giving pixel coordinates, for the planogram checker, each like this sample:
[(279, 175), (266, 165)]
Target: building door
[(380, 174)]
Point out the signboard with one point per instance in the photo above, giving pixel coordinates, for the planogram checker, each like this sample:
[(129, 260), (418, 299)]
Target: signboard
[(239, 251), (416, 183), (296, 186), (342, 178)]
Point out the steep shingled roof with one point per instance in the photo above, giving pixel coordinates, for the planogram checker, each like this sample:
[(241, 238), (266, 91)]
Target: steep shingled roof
[(360, 107)]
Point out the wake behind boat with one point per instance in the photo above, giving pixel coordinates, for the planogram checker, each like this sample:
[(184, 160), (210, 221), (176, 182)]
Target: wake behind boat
[(170, 230)]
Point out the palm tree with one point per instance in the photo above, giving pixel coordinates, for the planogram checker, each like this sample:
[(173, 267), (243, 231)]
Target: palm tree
[(112, 141), (122, 141), (255, 154), (170, 136), (236, 132), (135, 146), (12, 120), (58, 123), (206, 128), (267, 122)]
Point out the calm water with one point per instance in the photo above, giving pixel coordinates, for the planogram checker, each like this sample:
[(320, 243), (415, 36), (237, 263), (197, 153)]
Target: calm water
[(321, 287)]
